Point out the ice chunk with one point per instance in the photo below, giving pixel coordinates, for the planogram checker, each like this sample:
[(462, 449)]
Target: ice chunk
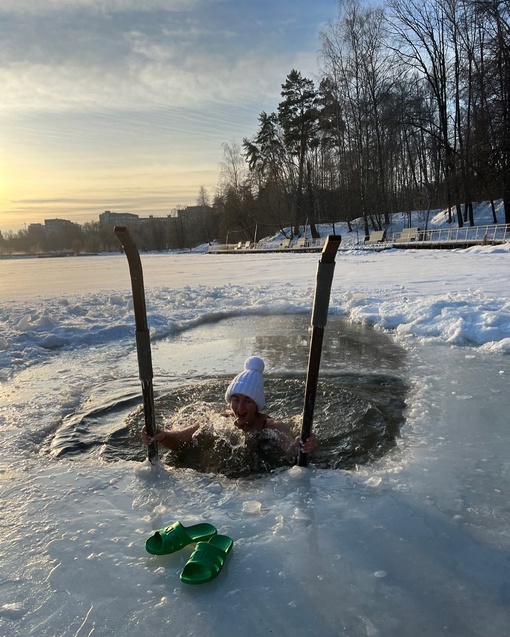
[(252, 507)]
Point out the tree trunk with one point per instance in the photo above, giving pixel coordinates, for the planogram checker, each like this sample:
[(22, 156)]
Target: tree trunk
[(493, 209)]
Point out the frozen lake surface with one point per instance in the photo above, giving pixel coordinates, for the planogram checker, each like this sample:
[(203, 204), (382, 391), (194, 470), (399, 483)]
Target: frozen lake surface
[(414, 542)]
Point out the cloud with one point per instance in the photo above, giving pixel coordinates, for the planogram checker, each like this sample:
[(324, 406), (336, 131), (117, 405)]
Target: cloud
[(101, 6), (86, 60), (141, 86), (107, 95)]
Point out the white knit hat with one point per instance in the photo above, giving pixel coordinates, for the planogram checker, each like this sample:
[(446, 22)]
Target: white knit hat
[(250, 382)]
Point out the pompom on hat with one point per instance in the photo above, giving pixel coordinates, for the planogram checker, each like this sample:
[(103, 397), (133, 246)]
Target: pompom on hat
[(250, 382)]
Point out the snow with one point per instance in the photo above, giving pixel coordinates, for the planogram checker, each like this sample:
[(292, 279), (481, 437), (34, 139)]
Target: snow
[(415, 543)]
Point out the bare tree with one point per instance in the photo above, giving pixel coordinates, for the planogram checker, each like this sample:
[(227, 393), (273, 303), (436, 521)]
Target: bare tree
[(422, 32), (234, 199), (496, 15), (358, 62), (207, 217)]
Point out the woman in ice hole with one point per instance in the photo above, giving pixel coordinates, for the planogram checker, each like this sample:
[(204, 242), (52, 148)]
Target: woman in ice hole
[(245, 396)]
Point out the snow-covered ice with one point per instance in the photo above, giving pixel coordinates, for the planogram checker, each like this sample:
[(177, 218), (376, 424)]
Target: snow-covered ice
[(416, 543)]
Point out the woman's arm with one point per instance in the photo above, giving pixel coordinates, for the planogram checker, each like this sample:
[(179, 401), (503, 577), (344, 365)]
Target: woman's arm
[(174, 440)]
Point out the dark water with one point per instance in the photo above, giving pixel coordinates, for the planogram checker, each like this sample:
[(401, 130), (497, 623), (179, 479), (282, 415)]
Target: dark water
[(359, 407)]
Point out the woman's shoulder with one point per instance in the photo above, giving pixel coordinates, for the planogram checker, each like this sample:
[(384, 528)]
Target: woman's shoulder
[(272, 423)]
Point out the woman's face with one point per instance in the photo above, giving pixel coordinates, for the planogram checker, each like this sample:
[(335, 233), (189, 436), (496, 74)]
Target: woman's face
[(244, 409)]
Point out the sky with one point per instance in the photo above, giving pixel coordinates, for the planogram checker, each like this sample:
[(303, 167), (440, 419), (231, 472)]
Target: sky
[(124, 105)]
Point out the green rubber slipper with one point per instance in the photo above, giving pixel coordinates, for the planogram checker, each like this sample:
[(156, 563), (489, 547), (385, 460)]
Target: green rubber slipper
[(206, 561), (176, 536)]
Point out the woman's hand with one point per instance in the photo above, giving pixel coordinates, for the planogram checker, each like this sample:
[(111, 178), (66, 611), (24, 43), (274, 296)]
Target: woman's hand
[(146, 439), (309, 445)]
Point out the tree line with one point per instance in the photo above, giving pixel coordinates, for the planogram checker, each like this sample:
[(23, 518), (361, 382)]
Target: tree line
[(153, 233), (410, 111), (91, 237)]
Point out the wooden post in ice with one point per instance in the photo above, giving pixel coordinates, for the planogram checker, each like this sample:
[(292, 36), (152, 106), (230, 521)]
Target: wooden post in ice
[(324, 279), (143, 346)]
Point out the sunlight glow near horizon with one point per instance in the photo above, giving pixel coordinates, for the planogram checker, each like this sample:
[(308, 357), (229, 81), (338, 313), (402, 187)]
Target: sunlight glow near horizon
[(125, 106), (34, 191)]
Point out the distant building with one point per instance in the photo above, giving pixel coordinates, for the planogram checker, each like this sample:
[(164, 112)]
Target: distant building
[(35, 229), (181, 229), (108, 218), (194, 213), (54, 226), (193, 225)]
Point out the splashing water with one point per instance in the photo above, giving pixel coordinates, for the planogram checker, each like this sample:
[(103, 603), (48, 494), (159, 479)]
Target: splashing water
[(357, 418)]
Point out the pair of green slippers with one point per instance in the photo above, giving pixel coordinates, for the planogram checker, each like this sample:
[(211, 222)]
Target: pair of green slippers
[(208, 558)]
